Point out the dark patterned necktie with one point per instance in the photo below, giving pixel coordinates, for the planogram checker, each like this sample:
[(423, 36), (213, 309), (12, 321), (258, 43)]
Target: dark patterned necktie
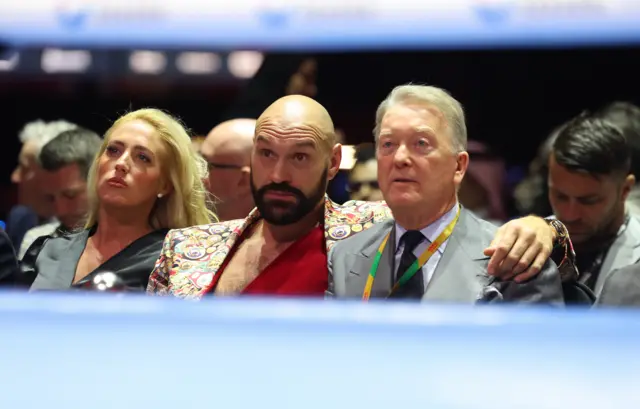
[(414, 288)]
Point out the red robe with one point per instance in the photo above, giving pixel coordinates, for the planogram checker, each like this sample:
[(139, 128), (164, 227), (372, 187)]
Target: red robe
[(301, 270)]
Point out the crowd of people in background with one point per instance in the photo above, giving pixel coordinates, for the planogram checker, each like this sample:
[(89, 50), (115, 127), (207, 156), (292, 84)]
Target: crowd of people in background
[(245, 209)]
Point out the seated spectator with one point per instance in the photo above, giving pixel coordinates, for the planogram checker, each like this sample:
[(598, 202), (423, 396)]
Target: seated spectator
[(589, 182), (146, 179), (65, 163), (227, 150), (482, 189), (363, 178), (31, 209)]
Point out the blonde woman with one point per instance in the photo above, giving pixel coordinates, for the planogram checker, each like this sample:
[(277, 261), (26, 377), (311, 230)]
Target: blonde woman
[(145, 180)]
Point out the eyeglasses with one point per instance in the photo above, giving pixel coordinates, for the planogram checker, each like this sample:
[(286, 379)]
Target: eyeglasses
[(356, 186)]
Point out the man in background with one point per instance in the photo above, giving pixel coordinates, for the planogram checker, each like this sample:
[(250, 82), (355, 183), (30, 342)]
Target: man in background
[(227, 150), (589, 182), (363, 178), (197, 141), (65, 163), (31, 210), (481, 190)]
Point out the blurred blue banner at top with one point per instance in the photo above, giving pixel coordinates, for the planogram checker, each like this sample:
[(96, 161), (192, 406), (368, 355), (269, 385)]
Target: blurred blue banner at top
[(331, 24)]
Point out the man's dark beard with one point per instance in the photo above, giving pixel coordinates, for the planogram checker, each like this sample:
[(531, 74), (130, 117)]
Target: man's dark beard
[(281, 212)]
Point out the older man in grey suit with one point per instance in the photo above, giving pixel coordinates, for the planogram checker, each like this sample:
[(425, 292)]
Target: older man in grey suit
[(434, 250)]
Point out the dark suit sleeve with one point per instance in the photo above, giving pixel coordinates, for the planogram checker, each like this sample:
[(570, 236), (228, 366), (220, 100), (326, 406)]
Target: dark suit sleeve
[(20, 220), (8, 261), (545, 288), (621, 288)]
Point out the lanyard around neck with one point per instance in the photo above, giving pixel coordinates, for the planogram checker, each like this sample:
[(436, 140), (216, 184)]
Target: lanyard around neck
[(417, 265)]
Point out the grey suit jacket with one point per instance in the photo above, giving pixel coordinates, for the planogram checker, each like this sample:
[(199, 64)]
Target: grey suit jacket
[(460, 276), (624, 251), (621, 288)]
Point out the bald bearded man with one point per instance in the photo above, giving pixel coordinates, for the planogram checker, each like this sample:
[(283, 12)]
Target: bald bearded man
[(281, 247), (227, 150)]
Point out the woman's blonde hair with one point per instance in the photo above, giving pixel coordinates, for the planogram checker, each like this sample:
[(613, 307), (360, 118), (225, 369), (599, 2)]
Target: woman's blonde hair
[(187, 204)]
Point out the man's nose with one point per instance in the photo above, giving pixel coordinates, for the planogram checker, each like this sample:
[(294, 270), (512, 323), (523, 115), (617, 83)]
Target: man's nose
[(280, 172), (401, 156), (571, 212)]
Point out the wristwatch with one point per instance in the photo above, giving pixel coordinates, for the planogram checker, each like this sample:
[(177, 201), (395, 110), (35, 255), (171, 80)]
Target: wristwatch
[(567, 267), (562, 234)]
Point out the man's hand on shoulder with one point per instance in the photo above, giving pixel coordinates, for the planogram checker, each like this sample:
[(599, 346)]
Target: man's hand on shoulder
[(520, 248)]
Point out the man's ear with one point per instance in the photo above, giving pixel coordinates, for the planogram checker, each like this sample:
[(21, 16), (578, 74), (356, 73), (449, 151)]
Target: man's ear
[(462, 163), (627, 185), (245, 176), (336, 159)]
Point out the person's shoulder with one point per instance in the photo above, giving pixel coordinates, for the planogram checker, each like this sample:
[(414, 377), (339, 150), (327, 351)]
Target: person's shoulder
[(477, 225), (621, 287), (358, 212), (55, 245), (206, 230), (364, 238), (634, 222), (622, 277), (42, 230), (20, 211)]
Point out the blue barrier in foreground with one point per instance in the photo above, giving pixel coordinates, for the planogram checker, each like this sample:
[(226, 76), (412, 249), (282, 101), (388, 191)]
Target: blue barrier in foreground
[(105, 351)]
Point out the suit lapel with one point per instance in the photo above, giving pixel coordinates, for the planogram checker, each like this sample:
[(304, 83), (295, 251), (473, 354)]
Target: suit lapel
[(624, 251), (361, 261), (384, 276), (459, 275), (343, 221), (69, 261), (201, 251)]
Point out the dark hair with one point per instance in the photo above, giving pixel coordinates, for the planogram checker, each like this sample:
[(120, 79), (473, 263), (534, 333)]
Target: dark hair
[(592, 145), (626, 117), (77, 146), (365, 152)]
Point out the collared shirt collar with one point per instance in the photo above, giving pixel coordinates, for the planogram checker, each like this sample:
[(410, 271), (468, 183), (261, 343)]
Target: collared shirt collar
[(432, 231)]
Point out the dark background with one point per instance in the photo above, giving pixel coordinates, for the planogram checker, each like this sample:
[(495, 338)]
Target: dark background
[(513, 98)]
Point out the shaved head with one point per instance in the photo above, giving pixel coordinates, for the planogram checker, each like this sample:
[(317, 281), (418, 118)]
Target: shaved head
[(231, 137), (294, 111), (227, 150), (294, 157)]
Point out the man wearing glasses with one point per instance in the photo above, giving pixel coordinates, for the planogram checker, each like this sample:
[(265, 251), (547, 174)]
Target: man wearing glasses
[(227, 150), (363, 178)]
